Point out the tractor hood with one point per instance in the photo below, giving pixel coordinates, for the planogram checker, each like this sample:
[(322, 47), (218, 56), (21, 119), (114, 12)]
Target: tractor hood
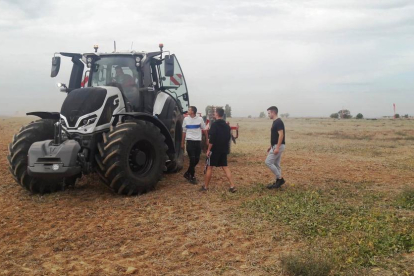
[(82, 101)]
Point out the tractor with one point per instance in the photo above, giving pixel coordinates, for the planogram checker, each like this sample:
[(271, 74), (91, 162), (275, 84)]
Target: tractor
[(122, 119)]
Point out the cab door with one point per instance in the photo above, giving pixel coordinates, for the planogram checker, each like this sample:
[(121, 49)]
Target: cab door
[(175, 84)]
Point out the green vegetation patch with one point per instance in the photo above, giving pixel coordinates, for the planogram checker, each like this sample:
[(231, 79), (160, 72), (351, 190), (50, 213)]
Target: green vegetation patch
[(406, 199), (357, 233)]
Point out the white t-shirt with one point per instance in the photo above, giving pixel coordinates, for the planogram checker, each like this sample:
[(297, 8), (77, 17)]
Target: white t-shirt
[(192, 127)]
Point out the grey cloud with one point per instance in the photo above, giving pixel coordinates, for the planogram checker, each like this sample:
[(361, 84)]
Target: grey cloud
[(30, 9), (243, 53)]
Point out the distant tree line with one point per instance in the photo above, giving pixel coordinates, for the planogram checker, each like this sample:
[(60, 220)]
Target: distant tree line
[(283, 115), (397, 116), (345, 114)]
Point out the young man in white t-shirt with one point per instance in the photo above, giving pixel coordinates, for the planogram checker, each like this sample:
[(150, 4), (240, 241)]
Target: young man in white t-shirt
[(193, 129)]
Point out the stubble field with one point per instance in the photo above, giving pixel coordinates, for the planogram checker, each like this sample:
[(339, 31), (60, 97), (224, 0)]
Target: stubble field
[(347, 208)]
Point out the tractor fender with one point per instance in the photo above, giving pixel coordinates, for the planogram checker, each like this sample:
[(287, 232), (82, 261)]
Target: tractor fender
[(46, 115), (153, 119)]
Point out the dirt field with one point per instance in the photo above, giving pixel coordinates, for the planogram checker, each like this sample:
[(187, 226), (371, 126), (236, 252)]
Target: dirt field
[(344, 182)]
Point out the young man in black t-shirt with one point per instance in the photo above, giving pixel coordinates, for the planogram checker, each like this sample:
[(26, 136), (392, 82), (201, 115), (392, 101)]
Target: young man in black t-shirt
[(218, 148), (277, 147)]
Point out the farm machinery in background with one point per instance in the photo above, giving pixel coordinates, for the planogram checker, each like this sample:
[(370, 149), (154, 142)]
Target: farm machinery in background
[(209, 119)]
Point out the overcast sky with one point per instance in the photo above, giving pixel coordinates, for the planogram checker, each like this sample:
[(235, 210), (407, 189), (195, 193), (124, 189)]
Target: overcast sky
[(309, 58)]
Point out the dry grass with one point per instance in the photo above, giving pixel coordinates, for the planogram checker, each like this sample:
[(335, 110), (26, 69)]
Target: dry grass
[(352, 173)]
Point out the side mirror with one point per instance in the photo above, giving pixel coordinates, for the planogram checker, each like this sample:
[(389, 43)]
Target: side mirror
[(55, 66), (169, 65)]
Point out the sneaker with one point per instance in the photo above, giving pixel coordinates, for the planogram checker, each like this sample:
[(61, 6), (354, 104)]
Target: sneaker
[(193, 180), (187, 176), (203, 189), (279, 183), (232, 190), (273, 186), (270, 185)]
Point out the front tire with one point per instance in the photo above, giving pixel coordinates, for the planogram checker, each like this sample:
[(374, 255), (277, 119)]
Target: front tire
[(132, 157), (176, 131), (36, 131)]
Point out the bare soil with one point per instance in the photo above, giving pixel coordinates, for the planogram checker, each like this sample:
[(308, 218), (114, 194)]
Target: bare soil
[(177, 230)]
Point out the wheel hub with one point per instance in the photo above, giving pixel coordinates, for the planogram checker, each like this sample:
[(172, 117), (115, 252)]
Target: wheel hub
[(140, 158)]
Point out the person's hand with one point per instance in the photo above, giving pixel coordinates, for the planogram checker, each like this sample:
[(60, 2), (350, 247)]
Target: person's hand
[(276, 151), (208, 153), (269, 149)]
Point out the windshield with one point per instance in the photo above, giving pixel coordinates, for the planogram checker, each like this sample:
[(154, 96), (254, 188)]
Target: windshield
[(176, 84), (117, 69)]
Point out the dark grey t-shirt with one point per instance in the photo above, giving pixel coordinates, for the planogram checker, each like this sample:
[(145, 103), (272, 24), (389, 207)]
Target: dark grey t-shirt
[(276, 126)]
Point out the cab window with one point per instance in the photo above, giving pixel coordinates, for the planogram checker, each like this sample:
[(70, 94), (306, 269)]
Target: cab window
[(176, 84)]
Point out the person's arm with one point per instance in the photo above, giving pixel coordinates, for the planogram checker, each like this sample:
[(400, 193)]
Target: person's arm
[(205, 133), (209, 149), (202, 124), (128, 81), (279, 142), (204, 130), (183, 140), (184, 133)]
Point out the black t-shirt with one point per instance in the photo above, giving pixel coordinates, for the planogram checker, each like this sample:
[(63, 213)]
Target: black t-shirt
[(276, 126), (220, 135)]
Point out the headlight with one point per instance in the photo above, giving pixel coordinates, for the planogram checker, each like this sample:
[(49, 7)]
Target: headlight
[(88, 121)]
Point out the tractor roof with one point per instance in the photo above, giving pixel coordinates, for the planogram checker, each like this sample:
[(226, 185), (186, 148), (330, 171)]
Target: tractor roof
[(126, 53)]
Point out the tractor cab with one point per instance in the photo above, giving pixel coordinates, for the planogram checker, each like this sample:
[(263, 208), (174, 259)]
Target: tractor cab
[(119, 71), (140, 76)]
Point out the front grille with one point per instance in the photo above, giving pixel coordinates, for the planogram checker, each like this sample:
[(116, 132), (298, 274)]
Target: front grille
[(48, 160)]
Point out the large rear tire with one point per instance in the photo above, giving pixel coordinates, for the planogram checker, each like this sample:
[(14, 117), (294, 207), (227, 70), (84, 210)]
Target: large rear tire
[(36, 131), (176, 131), (131, 159)]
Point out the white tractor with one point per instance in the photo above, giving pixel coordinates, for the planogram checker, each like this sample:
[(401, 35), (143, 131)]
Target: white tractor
[(122, 118)]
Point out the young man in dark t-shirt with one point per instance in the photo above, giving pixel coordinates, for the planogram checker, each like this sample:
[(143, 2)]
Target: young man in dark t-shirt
[(218, 148), (277, 147)]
